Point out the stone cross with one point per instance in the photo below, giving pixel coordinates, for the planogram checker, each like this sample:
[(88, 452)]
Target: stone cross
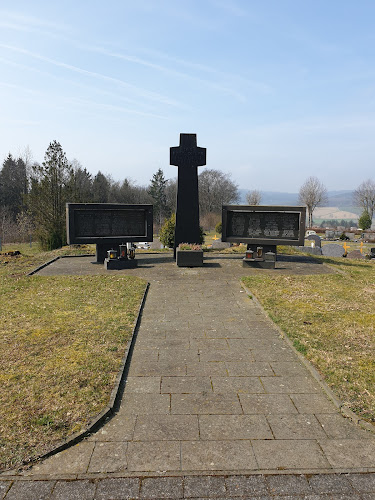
[(187, 157)]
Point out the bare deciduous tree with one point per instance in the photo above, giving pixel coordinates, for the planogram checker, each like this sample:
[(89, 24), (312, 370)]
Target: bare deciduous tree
[(215, 190), (253, 197), (312, 194), (364, 197)]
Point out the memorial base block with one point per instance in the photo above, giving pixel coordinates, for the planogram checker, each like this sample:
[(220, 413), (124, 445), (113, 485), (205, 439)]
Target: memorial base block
[(118, 264), (259, 263), (189, 258)]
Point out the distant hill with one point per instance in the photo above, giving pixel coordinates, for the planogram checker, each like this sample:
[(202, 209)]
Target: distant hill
[(343, 200)]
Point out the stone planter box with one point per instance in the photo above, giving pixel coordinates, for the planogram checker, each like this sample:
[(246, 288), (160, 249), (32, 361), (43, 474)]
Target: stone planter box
[(189, 258)]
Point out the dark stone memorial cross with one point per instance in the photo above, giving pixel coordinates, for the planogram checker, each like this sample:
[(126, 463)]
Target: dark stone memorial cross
[(187, 157)]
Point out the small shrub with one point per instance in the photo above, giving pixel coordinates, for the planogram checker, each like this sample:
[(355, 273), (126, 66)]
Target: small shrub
[(166, 233), (219, 227), (344, 237)]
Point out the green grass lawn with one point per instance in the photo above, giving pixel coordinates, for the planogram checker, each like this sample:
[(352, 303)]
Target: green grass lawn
[(331, 320), (62, 340)]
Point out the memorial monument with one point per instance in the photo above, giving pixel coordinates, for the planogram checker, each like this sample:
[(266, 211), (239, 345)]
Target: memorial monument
[(262, 228), (187, 157), (108, 225)]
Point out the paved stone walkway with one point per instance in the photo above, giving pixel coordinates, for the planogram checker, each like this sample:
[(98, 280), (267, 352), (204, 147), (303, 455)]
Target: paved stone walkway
[(216, 403)]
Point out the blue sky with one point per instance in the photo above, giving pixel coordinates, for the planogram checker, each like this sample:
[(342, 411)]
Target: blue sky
[(276, 90)]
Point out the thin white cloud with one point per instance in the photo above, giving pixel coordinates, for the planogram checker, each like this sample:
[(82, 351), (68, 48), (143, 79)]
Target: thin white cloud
[(110, 107), (329, 127), (163, 69), (92, 74), (15, 20)]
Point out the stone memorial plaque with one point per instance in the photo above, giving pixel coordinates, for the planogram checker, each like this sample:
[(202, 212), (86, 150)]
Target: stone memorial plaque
[(333, 250), (108, 223), (264, 225)]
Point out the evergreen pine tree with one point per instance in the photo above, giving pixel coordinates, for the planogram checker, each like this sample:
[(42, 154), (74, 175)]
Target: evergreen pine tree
[(158, 191), (50, 190)]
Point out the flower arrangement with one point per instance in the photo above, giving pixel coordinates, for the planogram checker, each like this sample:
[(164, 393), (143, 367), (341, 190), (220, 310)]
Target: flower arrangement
[(189, 246)]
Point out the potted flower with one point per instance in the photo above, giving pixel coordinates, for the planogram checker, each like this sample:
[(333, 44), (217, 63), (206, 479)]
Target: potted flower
[(189, 255)]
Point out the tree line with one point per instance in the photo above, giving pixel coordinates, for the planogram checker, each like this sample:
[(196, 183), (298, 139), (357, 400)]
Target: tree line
[(313, 194), (33, 196)]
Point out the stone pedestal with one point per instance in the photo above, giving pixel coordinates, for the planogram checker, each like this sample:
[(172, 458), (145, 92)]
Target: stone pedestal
[(117, 264), (189, 258)]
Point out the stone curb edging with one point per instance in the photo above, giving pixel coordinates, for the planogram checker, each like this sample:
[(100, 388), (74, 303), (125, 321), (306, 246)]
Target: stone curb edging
[(346, 412), (39, 268), (98, 421)]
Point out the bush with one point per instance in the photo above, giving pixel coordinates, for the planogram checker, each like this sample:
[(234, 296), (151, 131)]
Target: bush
[(166, 233), (344, 237), (219, 227)]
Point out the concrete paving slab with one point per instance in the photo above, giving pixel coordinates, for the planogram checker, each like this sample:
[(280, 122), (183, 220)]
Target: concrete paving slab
[(218, 427), (289, 485), (139, 403), (4, 487), (225, 355), (119, 428), (116, 488), (163, 487), (143, 385), (209, 486), (349, 453), (26, 490), (186, 385), (362, 482), (209, 344), (257, 342), (74, 460), (156, 456), (331, 484), (337, 427), (178, 355), (267, 404), (74, 490), (290, 385), (289, 454), (109, 457), (203, 369), (253, 369), (156, 368), (246, 486), (296, 427), (314, 403), (142, 354), (166, 427), (288, 368), (273, 354), (217, 455), (216, 404), (247, 385)]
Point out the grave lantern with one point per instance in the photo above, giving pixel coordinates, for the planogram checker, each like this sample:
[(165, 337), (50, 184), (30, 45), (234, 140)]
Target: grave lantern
[(112, 254), (123, 251)]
